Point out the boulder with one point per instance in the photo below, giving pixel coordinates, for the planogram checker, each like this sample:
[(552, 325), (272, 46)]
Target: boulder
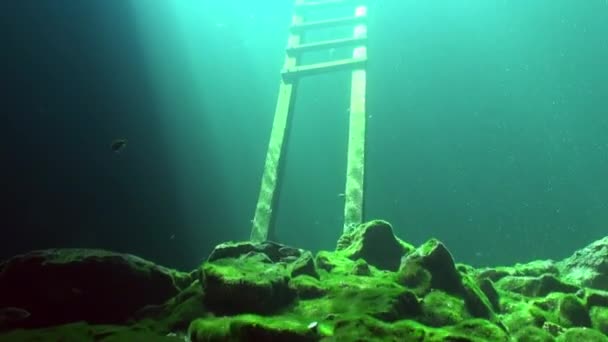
[(57, 286), (374, 242), (431, 267), (276, 252), (535, 286), (304, 265), (249, 284), (572, 312), (436, 261), (588, 266)]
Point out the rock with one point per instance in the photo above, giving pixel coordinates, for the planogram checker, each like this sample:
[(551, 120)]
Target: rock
[(553, 329), (325, 261), (246, 285), (489, 290), (431, 267), (176, 313), (362, 268), (416, 278), (335, 263), (494, 274), (532, 269), (274, 292), (587, 267), (533, 334), (597, 298), (535, 286), (252, 328), (305, 264), (67, 285), (275, 252), (378, 298), (582, 334), (477, 304), (374, 242), (307, 287), (517, 316), (441, 309), (82, 331), (465, 269), (435, 259), (479, 330), (599, 319), (536, 268), (405, 304), (549, 303), (365, 328), (572, 312)]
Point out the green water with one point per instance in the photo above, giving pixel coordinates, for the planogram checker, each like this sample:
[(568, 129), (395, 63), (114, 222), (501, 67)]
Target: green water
[(487, 126)]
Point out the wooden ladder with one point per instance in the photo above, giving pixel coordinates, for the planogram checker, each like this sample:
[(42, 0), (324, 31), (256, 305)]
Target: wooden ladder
[(263, 221)]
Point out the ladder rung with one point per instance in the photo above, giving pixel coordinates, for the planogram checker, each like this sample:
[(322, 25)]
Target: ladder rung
[(304, 6), (328, 23), (337, 43), (292, 74)]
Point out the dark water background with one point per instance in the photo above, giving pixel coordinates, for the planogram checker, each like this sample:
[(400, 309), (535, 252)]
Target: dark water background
[(487, 130)]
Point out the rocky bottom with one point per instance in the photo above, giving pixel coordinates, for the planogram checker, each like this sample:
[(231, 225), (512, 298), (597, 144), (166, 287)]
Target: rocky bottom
[(373, 287)]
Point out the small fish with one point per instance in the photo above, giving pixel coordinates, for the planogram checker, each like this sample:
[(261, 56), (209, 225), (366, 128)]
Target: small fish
[(118, 145), (11, 314)]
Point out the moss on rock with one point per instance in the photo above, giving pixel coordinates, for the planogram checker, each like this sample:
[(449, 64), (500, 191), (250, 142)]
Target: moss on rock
[(272, 292)]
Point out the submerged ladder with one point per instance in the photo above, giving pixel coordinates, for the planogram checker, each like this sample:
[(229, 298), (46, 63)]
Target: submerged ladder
[(263, 221)]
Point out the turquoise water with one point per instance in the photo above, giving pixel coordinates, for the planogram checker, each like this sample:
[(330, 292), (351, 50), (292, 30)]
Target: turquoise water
[(486, 127)]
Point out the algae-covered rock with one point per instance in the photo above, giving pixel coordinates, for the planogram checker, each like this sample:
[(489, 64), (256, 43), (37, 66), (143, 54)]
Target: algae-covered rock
[(480, 329), (335, 263), (307, 287), (533, 333), (374, 287), (248, 284), (81, 331), (58, 286), (476, 301), (588, 266), (553, 329), (304, 264), (441, 309), (597, 298), (374, 242), (326, 261), (368, 329), (580, 335), (435, 258), (276, 252), (535, 286), (536, 268), (572, 312), (494, 273), (431, 267), (487, 287), (599, 319), (519, 315), (361, 268), (175, 314), (253, 328), (415, 277), (381, 299)]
